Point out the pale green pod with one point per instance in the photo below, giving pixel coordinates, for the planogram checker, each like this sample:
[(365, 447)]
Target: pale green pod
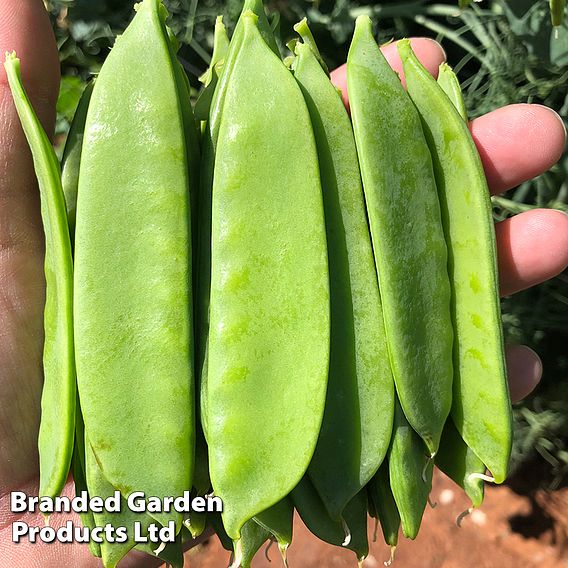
[(57, 426), (269, 289), (133, 304)]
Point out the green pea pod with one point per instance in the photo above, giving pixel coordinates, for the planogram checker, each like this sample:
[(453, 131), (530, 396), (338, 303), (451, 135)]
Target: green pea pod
[(72, 157), (557, 10), (382, 498), (407, 235), (354, 437), (315, 516), (460, 463), (278, 520), (253, 536), (216, 523), (410, 472), (211, 77), (481, 407), (449, 83), (455, 458), (133, 323), (302, 29), (57, 426), (79, 478), (269, 290)]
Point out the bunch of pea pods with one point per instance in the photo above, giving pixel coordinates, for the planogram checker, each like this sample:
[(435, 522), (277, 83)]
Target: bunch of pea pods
[(264, 297)]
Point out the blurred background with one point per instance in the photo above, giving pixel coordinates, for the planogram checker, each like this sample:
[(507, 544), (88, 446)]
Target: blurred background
[(504, 52)]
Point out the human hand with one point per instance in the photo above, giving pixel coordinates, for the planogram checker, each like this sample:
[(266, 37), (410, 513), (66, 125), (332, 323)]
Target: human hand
[(516, 143)]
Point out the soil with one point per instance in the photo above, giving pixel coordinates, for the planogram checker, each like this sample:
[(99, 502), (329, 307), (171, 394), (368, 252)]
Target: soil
[(517, 526)]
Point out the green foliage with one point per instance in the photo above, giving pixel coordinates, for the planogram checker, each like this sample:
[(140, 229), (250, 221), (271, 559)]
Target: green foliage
[(504, 51)]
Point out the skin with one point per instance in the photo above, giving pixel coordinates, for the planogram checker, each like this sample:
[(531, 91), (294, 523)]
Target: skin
[(515, 142)]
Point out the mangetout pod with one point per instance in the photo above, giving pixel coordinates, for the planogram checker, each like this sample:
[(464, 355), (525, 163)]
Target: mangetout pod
[(133, 316)]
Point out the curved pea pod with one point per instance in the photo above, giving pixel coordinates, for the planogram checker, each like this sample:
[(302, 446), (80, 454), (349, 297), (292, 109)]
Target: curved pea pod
[(382, 499), (407, 235), (313, 513), (460, 463), (481, 407), (410, 472), (133, 316), (355, 436), (278, 520), (72, 157), (57, 426), (269, 290)]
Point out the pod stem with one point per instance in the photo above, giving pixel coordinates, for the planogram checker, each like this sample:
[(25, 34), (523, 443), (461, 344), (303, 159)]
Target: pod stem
[(283, 548), (347, 533), (237, 554), (160, 548), (391, 559), (487, 478), (267, 549), (376, 529), (463, 515)]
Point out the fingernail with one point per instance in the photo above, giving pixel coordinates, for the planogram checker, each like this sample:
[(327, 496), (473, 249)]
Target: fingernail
[(438, 45)]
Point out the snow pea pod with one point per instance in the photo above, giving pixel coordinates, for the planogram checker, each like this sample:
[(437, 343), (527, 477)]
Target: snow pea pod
[(410, 472), (315, 516), (481, 407), (278, 520), (133, 268), (380, 494), (57, 426), (355, 436), (269, 289), (253, 536), (455, 458), (72, 157), (407, 235)]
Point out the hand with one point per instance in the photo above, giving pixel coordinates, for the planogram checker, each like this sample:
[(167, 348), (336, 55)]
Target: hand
[(516, 143)]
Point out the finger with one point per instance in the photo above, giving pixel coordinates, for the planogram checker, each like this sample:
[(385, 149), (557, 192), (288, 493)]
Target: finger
[(524, 368), (531, 247), (517, 143), (428, 51), (25, 28)]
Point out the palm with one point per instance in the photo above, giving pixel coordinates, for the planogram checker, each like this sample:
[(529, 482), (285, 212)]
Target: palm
[(516, 143)]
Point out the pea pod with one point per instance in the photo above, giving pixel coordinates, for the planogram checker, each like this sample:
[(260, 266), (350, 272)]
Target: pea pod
[(481, 407), (408, 240), (410, 472), (315, 516), (354, 437), (269, 291), (133, 323), (72, 157), (253, 536), (455, 458), (57, 426), (278, 520), (382, 498)]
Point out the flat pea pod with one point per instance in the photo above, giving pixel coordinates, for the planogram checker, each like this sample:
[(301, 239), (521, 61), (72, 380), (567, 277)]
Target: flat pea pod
[(382, 499), (57, 426), (313, 513), (455, 458), (133, 268), (481, 407), (355, 435), (253, 536), (460, 463), (410, 472), (557, 10), (408, 239), (269, 289), (71, 159)]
